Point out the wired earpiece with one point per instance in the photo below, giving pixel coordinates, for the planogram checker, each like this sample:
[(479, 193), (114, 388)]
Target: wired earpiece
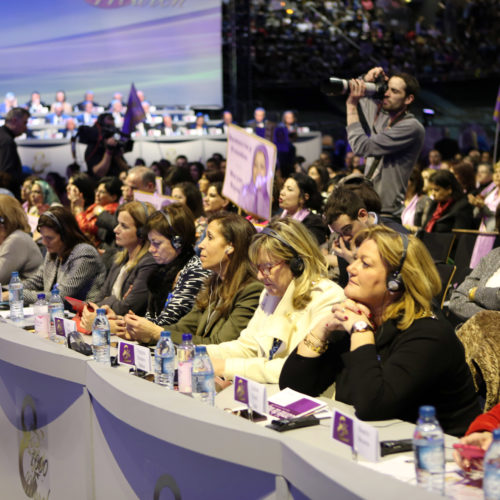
[(296, 263), (175, 240), (395, 279)]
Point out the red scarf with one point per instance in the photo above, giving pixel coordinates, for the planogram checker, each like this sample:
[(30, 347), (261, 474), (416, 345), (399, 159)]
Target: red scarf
[(440, 210)]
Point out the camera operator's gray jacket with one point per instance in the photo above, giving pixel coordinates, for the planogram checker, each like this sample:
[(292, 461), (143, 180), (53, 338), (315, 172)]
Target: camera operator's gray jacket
[(397, 146)]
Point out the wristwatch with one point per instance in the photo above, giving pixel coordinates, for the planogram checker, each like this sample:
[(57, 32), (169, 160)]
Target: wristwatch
[(361, 326)]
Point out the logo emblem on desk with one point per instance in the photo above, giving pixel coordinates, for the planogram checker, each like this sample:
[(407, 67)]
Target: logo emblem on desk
[(343, 429), (241, 390), (33, 463), (127, 354)]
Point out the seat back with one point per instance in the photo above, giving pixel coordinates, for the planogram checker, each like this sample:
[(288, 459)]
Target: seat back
[(480, 336)]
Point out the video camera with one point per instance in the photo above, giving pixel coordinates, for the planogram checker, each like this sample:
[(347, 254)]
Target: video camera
[(338, 86), (97, 132)]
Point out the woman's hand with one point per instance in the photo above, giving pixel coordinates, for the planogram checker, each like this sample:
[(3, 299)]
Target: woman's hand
[(119, 327), (88, 316), (141, 329), (347, 313), (481, 440), (5, 296), (219, 366)]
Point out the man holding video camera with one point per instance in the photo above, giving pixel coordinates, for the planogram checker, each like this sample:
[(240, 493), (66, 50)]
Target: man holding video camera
[(105, 147), (395, 138)]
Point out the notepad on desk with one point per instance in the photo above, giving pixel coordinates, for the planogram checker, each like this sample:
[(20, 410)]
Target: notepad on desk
[(292, 404)]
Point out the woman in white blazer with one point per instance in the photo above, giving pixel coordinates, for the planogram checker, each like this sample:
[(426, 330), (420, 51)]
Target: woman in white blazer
[(296, 297)]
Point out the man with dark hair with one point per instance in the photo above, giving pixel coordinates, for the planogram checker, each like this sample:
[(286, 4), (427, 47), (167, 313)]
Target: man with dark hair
[(139, 178), (347, 213), (16, 122), (395, 136)]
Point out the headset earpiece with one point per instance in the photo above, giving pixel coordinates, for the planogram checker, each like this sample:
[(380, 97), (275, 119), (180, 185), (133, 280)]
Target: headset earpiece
[(394, 281), (296, 263), (176, 240)]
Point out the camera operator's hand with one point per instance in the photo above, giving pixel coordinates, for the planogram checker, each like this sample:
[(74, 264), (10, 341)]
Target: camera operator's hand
[(357, 90), (374, 74), (111, 143)]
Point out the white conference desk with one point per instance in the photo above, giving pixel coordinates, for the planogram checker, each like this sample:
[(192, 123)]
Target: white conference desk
[(73, 429), (54, 155)]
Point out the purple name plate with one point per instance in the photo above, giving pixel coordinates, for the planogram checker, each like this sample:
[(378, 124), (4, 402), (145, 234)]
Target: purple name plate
[(241, 390), (343, 429), (126, 354)]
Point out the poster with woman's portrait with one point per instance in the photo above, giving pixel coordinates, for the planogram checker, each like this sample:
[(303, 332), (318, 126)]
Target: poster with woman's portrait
[(251, 163)]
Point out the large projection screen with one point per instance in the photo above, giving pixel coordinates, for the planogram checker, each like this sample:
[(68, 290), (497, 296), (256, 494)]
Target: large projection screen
[(170, 49)]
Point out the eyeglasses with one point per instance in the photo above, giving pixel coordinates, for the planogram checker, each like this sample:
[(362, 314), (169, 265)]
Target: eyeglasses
[(265, 269), (345, 231)]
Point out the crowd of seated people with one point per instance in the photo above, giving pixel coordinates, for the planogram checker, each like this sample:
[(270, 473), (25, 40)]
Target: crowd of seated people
[(292, 43), (325, 291)]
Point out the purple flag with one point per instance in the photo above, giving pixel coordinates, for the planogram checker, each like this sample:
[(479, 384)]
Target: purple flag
[(135, 113), (496, 113)]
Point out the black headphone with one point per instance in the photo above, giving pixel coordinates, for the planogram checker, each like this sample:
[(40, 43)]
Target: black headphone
[(296, 263), (54, 219), (394, 281), (175, 240)]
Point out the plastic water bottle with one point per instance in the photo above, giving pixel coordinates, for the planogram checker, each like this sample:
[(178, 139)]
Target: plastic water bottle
[(101, 338), (428, 446), (203, 376), (16, 297), (41, 312), (56, 308), (165, 361), (491, 480), (185, 355)]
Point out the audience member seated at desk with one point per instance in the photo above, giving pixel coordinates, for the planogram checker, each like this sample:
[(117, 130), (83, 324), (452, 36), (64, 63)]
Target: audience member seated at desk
[(18, 251), (297, 296), (71, 261), (479, 433), (125, 286), (480, 290), (107, 194), (199, 127), (229, 298), (42, 197), (449, 209), (384, 348), (173, 289), (298, 197)]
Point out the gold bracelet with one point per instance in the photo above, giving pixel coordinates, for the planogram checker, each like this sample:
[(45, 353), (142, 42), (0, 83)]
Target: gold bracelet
[(321, 341), (320, 349)]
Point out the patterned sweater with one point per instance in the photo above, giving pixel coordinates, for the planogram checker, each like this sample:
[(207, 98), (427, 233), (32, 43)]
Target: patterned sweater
[(181, 299)]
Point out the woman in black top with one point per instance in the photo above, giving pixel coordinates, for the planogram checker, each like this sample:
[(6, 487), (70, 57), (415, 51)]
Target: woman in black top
[(387, 352)]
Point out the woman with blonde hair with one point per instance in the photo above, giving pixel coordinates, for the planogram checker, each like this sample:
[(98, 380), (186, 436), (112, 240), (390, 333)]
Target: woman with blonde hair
[(297, 296), (383, 347), (18, 251), (125, 287)]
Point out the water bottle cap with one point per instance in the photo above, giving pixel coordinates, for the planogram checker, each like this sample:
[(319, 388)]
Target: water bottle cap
[(14, 274), (165, 333), (40, 296), (187, 336), (55, 291), (427, 411), (496, 434), (200, 349), (101, 310)]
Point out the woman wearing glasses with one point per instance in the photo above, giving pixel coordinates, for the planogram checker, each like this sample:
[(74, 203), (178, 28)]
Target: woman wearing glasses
[(297, 296)]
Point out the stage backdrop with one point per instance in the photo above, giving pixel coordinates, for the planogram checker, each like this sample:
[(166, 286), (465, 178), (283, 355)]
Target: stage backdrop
[(170, 49)]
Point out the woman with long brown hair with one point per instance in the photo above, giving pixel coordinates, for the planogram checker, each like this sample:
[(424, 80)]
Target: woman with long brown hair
[(230, 296)]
